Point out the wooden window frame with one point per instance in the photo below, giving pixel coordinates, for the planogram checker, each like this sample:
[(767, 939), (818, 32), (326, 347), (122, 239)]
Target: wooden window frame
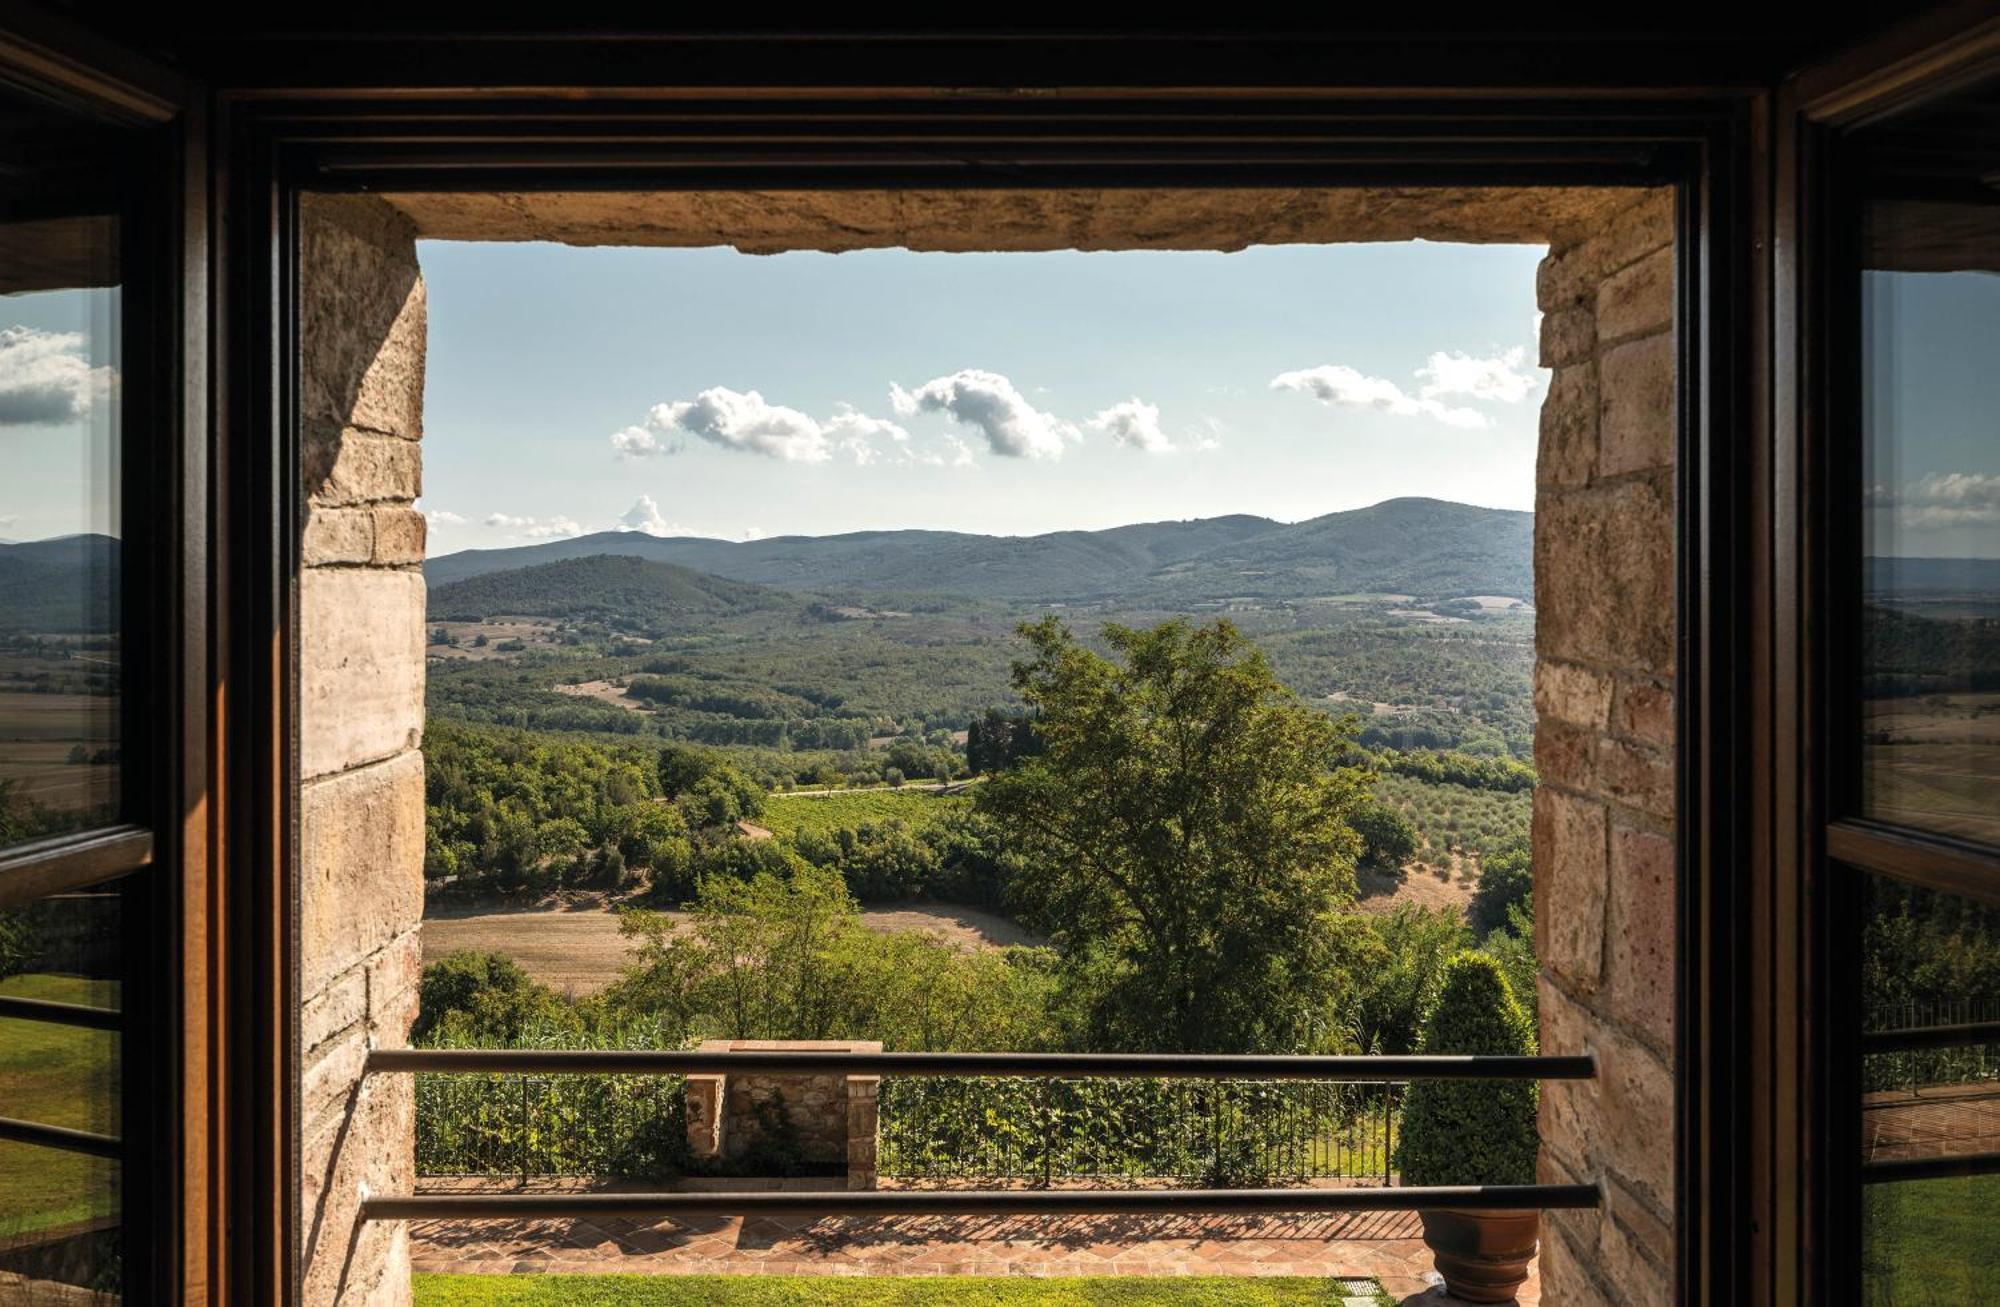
[(157, 849), (1837, 846), (356, 111)]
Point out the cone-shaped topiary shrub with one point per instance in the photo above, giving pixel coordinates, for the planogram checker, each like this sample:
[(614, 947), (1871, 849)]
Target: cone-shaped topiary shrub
[(1471, 1131)]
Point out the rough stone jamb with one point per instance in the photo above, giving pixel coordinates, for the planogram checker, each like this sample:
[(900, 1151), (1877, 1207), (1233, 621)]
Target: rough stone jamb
[(706, 1121), (863, 1129), (1604, 739), (361, 641)]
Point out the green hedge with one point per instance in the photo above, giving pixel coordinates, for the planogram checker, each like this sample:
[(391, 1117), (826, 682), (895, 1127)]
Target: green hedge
[(1471, 1131)]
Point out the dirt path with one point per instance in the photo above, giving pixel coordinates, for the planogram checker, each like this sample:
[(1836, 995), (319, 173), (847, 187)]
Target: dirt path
[(579, 950)]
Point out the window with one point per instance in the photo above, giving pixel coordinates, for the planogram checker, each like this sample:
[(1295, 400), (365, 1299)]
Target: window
[(67, 860), (1924, 617)]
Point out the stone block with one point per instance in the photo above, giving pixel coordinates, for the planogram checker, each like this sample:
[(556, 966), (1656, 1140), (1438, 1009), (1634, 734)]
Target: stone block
[(1638, 298), (1635, 1247), (1570, 886), (342, 1004), (361, 848), (1639, 980), (1644, 711), (1636, 775), (361, 678), (362, 316), (344, 466), (1569, 693), (1604, 576), (330, 1078), (400, 534), (395, 977), (343, 1160), (1568, 449), (1568, 336), (337, 535), (1621, 1121), (1636, 230), (1565, 755), (1635, 383)]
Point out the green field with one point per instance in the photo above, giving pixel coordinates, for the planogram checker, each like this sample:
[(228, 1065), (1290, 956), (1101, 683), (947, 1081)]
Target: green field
[(885, 1291), (56, 1075), (822, 814), (1928, 1242)]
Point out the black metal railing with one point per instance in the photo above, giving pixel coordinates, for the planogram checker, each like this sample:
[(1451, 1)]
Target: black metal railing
[(1222, 1133), (1217, 1197)]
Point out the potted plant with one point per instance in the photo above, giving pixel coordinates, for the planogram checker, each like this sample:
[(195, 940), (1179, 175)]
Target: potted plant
[(1463, 1132)]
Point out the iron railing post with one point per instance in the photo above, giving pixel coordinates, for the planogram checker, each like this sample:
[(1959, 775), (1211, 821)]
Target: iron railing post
[(1048, 1132), (1388, 1126), (524, 1132)]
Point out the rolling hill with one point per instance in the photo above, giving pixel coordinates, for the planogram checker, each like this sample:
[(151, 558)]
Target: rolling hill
[(1424, 547), (623, 590), (67, 585)]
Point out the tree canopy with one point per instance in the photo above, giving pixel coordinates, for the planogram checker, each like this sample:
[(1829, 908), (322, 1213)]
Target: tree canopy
[(1184, 837)]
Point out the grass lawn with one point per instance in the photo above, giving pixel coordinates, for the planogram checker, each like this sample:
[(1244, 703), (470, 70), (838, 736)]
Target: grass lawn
[(56, 1075), (1931, 1241), (882, 1291)]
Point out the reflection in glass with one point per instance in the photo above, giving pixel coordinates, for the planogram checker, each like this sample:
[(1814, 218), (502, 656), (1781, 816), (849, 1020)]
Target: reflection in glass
[(1931, 452), (59, 1209), (59, 478), (1930, 1241), (1930, 963)]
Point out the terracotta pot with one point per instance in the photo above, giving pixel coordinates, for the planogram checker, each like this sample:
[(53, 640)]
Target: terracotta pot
[(1482, 1253)]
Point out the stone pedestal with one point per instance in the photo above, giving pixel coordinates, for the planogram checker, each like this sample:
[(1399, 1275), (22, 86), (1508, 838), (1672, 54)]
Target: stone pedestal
[(833, 1117)]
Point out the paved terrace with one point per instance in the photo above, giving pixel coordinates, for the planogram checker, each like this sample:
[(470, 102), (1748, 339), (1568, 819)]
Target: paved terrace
[(1382, 1245)]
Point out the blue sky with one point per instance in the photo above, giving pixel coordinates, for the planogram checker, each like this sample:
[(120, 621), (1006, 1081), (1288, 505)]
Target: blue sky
[(1933, 423), (715, 393)]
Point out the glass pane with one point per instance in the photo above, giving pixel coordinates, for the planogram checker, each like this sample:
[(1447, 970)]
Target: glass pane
[(1930, 1241), (59, 475), (1930, 961), (59, 1209), (1931, 452)]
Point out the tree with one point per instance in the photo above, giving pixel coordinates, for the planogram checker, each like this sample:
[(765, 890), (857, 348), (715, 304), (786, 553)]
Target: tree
[(1388, 840), (1184, 837), (997, 739), (1506, 879)]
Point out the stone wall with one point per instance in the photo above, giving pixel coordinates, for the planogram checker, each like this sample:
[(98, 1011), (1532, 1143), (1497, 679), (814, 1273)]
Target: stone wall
[(1604, 861), (833, 1116), (1604, 741), (361, 672)]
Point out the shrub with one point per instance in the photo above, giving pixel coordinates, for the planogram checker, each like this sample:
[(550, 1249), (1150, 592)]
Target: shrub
[(1471, 1131)]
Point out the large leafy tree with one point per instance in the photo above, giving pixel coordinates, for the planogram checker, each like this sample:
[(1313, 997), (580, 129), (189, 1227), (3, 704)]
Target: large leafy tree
[(1184, 836)]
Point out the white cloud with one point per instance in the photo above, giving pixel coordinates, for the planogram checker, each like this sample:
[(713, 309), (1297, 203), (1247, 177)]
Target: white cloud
[(745, 421), (644, 515), (855, 433), (1342, 386), (1504, 377), (45, 378), (989, 403), (1943, 499), (536, 528), (1134, 424), (443, 517), (1207, 437), (638, 442)]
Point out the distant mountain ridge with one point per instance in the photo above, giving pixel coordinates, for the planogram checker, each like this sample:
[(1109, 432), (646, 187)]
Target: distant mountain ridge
[(1429, 548), (617, 589), (66, 585)]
